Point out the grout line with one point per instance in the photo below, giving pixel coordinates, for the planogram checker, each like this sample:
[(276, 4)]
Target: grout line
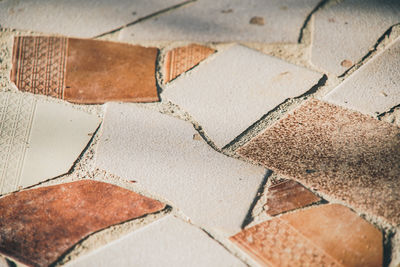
[(306, 24)]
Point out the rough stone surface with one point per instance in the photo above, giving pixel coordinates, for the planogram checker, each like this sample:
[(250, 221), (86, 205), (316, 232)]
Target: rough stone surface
[(327, 235), (375, 87), (171, 242), (339, 38), (345, 154), (224, 21), (37, 226), (77, 18), (39, 140), (160, 153), (235, 89)]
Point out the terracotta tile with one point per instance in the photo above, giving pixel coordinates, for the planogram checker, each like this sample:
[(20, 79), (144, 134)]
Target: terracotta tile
[(84, 71), (37, 226), (182, 59), (288, 195), (327, 235), (348, 155)]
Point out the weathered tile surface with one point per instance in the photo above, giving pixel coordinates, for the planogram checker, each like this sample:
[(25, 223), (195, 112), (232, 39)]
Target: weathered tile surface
[(327, 235), (182, 59), (348, 155), (162, 155), (375, 87), (77, 18), (39, 140), (166, 242), (235, 89), (37, 226), (288, 195), (340, 39), (224, 21), (84, 71)]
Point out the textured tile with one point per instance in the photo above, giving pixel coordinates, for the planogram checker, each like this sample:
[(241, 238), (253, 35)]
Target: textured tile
[(84, 71), (182, 59), (340, 38), (225, 21), (342, 153), (37, 226), (225, 101), (160, 153), (77, 18), (39, 140), (375, 87), (170, 240), (288, 195), (327, 235)]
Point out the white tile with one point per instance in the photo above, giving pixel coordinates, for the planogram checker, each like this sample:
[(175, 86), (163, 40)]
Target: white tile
[(346, 31), (226, 20), (159, 152), (375, 87), (230, 92), (167, 242), (76, 18), (39, 140)]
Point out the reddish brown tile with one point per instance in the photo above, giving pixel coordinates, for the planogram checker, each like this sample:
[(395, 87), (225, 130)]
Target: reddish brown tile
[(182, 59), (84, 71), (288, 195), (342, 153), (327, 235), (37, 226)]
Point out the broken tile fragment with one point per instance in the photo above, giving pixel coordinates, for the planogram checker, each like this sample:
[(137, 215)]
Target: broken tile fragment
[(182, 59), (37, 226), (339, 38), (226, 21), (344, 154), (235, 89), (375, 87), (84, 71), (161, 154), (326, 235), (286, 196), (171, 241), (39, 140)]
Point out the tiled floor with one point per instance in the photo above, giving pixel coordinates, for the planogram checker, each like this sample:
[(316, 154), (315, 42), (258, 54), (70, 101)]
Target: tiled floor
[(200, 133)]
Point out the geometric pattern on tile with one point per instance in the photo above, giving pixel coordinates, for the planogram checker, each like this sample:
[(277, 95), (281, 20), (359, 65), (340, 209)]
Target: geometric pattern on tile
[(37, 226), (79, 19), (171, 241), (182, 59), (39, 140), (338, 39), (226, 21), (375, 87), (339, 152), (84, 71), (161, 154), (326, 235), (235, 89)]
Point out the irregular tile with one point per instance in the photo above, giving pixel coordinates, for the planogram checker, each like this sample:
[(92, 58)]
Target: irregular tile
[(375, 87), (39, 140), (327, 235), (347, 155), (37, 226), (170, 240), (84, 71), (225, 101), (159, 152), (340, 39), (286, 196), (226, 21), (77, 18), (182, 59)]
